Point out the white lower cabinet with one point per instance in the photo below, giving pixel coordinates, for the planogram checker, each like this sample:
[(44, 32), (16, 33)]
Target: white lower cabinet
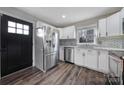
[(80, 56), (61, 53), (103, 64), (116, 65), (91, 59), (86, 58)]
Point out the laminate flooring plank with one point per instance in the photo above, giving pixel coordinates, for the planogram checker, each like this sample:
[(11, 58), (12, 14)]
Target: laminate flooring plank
[(62, 74)]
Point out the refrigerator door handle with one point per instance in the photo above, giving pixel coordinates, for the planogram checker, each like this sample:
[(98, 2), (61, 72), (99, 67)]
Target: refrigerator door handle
[(50, 54)]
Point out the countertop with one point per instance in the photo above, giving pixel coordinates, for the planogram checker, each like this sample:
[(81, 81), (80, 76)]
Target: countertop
[(69, 46), (98, 48), (110, 49)]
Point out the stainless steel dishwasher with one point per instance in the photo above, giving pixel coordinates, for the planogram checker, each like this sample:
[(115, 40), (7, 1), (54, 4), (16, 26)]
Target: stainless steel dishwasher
[(69, 54)]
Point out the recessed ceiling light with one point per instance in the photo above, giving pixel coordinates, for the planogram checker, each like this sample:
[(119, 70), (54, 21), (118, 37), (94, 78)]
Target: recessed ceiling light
[(63, 16)]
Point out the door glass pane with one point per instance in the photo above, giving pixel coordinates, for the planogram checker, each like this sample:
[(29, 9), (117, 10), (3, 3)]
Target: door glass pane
[(26, 27), (19, 31), (11, 24), (11, 30), (26, 32), (19, 26)]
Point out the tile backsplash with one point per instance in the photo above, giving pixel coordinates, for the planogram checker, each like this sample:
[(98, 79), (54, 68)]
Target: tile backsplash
[(107, 42), (68, 42), (113, 43)]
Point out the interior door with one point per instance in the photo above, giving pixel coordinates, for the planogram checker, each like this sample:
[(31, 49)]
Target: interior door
[(16, 44)]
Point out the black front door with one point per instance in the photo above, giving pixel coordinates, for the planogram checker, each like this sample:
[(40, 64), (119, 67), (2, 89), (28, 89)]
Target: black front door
[(16, 44)]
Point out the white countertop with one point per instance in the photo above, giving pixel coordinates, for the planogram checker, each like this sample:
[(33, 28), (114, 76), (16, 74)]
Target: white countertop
[(68, 46), (109, 49), (100, 48)]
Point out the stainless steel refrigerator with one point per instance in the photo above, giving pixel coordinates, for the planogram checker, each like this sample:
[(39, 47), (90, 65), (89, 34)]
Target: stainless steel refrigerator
[(46, 48)]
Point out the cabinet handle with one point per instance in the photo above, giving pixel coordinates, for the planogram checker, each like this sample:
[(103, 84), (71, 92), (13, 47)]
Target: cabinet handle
[(98, 52), (99, 35), (67, 36), (89, 50), (106, 33), (83, 54)]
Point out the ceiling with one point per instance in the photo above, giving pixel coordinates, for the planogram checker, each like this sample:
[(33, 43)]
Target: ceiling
[(53, 15)]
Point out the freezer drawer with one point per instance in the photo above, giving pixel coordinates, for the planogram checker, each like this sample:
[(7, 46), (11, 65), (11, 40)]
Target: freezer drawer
[(50, 61)]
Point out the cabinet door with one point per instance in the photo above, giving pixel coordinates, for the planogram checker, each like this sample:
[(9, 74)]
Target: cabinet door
[(113, 25), (61, 53), (103, 61), (65, 34), (61, 33), (102, 27), (116, 66), (71, 32), (79, 57), (122, 21), (91, 59), (122, 13)]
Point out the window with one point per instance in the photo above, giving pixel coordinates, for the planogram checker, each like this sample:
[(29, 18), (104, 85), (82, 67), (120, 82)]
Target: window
[(26, 32), (26, 27), (86, 35), (18, 28), (11, 30), (11, 27), (11, 24), (19, 31)]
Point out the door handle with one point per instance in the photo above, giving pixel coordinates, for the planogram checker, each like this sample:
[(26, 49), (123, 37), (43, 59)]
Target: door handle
[(83, 54), (89, 50)]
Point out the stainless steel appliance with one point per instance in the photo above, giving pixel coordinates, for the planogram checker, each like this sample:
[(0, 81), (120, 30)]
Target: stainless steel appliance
[(46, 48), (69, 54)]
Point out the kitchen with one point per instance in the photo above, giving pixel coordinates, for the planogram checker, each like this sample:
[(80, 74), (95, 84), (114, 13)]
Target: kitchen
[(92, 49)]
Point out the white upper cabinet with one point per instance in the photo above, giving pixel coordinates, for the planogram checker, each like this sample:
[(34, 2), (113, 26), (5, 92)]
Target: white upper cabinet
[(60, 33), (110, 26), (68, 33), (71, 32), (122, 13), (102, 27), (122, 21), (113, 25)]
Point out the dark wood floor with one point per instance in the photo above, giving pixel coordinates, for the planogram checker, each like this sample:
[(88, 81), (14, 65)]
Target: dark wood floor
[(62, 74)]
